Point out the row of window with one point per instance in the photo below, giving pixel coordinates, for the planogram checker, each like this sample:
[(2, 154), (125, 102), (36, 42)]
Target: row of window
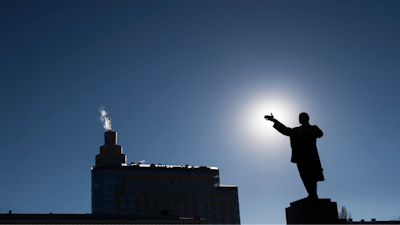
[(152, 184), (181, 214), (172, 206), (219, 214), (220, 222), (163, 198), (172, 198), (219, 207), (217, 199), (189, 214)]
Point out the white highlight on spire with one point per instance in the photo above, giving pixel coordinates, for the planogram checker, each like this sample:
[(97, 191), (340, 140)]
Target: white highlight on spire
[(105, 120)]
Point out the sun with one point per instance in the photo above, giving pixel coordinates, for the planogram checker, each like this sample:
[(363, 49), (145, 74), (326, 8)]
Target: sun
[(257, 132)]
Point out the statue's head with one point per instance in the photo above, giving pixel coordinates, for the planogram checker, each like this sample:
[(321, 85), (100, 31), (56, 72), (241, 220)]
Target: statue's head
[(304, 118)]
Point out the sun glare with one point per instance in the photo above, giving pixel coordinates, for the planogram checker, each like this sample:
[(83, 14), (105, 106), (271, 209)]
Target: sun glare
[(258, 134)]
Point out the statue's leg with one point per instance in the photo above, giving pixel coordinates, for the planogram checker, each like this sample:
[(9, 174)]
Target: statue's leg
[(303, 171), (309, 183), (312, 189)]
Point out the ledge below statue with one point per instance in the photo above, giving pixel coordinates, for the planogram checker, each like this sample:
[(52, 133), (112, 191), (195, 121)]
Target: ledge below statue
[(313, 211)]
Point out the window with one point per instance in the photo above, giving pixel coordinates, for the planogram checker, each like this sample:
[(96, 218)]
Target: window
[(208, 187), (191, 214), (122, 206), (227, 214), (162, 198), (142, 186), (210, 222), (209, 199), (218, 207), (131, 195), (181, 199), (209, 214), (200, 185), (118, 163), (209, 206), (142, 213), (227, 199), (152, 213), (152, 186), (102, 161), (152, 198), (142, 206), (219, 214), (172, 213), (219, 221), (227, 207), (217, 199), (200, 195), (190, 186), (171, 186), (108, 161), (152, 206), (171, 198), (162, 206), (161, 186), (229, 222), (122, 197), (190, 206), (182, 214), (181, 189), (106, 140), (142, 198), (190, 199), (113, 162), (181, 206), (171, 206)]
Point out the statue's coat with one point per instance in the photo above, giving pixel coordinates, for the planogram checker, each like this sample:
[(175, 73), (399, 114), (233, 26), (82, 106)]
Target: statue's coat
[(303, 141)]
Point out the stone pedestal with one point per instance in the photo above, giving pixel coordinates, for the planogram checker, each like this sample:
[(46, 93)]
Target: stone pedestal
[(319, 211)]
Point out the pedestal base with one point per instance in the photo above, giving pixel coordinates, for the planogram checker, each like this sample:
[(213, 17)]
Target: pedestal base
[(321, 211)]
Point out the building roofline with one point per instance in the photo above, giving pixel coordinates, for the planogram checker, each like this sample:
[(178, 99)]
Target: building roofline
[(140, 166)]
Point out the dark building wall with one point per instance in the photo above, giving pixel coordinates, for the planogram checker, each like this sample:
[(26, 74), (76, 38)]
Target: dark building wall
[(184, 191), (144, 191), (11, 218), (373, 221)]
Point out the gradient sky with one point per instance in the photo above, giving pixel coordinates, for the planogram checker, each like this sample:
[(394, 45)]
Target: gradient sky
[(188, 82)]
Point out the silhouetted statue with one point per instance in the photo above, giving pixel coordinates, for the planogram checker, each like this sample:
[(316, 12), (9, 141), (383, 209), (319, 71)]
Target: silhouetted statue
[(303, 141)]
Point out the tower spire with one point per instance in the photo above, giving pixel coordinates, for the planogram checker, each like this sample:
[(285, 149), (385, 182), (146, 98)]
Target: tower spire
[(110, 152)]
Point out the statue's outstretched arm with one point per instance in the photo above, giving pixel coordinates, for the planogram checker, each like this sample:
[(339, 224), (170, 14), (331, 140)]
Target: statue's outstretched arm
[(282, 128)]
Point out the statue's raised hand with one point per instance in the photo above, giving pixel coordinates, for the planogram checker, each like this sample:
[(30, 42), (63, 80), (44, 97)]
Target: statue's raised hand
[(271, 117)]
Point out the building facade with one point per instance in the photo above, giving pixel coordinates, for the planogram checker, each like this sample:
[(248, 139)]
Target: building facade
[(149, 189), (89, 219), (374, 222)]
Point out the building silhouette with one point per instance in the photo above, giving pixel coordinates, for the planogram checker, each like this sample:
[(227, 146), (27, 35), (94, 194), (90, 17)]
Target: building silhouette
[(16, 218), (374, 221), (143, 189)]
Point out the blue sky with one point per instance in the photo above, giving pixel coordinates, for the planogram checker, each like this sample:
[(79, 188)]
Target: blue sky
[(188, 82)]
